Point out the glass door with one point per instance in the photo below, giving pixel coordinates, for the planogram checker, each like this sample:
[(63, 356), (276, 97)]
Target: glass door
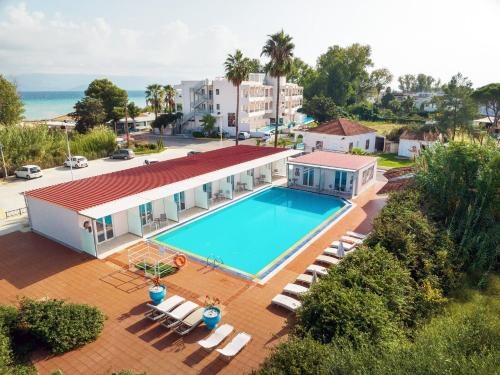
[(180, 201), (146, 212), (207, 188), (340, 180), (308, 177), (104, 228)]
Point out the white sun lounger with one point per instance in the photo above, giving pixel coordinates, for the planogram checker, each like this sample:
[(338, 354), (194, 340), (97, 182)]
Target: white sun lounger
[(305, 278), (356, 235), (217, 337), (327, 259), (175, 316), (235, 346), (350, 239), (190, 322), (320, 270), (347, 246), (332, 252), (286, 302), (158, 311), (295, 289)]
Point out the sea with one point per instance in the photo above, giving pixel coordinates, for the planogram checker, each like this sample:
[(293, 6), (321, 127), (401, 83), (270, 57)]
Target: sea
[(44, 105)]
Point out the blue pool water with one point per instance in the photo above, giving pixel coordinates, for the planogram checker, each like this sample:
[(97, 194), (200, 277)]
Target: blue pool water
[(253, 235)]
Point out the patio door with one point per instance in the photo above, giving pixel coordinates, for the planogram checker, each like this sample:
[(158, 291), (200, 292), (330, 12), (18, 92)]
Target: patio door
[(146, 212), (340, 180), (308, 177), (230, 180), (207, 188), (180, 201), (104, 228)]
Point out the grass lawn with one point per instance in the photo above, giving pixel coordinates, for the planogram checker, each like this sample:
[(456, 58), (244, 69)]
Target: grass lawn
[(392, 161), (381, 127)]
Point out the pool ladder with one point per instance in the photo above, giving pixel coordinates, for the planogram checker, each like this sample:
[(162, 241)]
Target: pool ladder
[(213, 259)]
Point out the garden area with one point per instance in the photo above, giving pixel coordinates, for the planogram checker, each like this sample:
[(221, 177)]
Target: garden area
[(421, 296), (392, 161)]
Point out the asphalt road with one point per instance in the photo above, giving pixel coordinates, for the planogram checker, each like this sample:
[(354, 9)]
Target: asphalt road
[(11, 191)]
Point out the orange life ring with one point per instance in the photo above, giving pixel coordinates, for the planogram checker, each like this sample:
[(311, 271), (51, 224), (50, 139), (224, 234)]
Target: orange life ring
[(180, 260)]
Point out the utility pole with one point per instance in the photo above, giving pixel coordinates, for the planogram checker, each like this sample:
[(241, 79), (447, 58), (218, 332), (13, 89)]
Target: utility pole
[(126, 126), (3, 162)]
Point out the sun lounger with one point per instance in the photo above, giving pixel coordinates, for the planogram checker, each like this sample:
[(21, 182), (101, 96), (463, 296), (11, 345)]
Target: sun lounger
[(305, 278), (320, 270), (190, 322), (158, 311), (217, 337), (175, 316), (332, 253), (347, 246), (350, 239), (327, 259), (286, 302), (295, 289), (235, 346), (356, 235)]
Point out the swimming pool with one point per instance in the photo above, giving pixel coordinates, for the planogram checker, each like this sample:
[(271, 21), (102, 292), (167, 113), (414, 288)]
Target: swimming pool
[(253, 236)]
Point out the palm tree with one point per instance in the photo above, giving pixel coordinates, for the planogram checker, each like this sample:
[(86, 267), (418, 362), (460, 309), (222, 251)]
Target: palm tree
[(237, 71), (279, 49), (133, 111), (154, 97), (208, 124), (170, 94)]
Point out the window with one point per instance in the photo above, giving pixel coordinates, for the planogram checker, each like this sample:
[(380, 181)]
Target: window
[(180, 201), (367, 145), (216, 91), (230, 180), (218, 106), (231, 120), (104, 228), (207, 188), (351, 145), (340, 180), (146, 212), (308, 177), (319, 145), (367, 175)]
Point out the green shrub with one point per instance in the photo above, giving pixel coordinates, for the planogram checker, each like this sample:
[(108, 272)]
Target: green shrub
[(99, 142), (62, 326), (198, 134), (358, 151)]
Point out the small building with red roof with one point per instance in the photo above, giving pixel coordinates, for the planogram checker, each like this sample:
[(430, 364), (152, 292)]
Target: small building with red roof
[(102, 214), (332, 173), (340, 135)]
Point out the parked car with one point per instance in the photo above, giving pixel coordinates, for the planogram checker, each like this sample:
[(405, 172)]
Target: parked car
[(123, 153), (193, 153), (77, 162), (243, 135), (150, 161), (28, 172), (265, 138)]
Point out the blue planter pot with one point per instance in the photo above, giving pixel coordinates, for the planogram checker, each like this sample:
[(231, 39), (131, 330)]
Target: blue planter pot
[(157, 295), (212, 316)]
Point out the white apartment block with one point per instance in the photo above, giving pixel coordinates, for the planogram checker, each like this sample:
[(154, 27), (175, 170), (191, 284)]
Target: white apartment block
[(257, 103)]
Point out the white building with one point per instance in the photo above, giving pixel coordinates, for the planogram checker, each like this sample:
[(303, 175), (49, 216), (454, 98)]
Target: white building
[(339, 135), (332, 173), (142, 122), (411, 143), (257, 103), (101, 214)]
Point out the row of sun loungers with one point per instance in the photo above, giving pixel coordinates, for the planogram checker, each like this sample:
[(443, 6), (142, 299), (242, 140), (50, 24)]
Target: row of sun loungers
[(331, 256), (183, 316)]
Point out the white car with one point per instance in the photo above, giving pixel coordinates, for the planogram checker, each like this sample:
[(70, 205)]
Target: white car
[(150, 161), (77, 162), (243, 135), (28, 172)]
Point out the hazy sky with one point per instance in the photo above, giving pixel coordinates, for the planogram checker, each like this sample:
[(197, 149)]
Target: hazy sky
[(173, 40)]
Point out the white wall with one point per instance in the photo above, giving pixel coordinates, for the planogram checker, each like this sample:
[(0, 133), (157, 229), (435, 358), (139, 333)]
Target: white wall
[(339, 143), (55, 222), (362, 187), (158, 208), (405, 145), (120, 223), (134, 221), (189, 198)]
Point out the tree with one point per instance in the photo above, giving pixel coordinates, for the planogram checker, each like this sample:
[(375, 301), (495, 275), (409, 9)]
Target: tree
[(155, 97), (11, 106), (164, 120), (89, 113), (237, 70), (279, 49), (387, 98), (109, 94), (455, 108), (489, 97), (407, 105), (256, 66), (321, 108), (170, 94), (133, 111), (209, 123), (300, 72), (379, 79), (425, 83), (407, 82)]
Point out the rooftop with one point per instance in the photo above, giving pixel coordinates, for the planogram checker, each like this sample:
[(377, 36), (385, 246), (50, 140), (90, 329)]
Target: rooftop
[(93, 191), (342, 127), (417, 135), (335, 160)]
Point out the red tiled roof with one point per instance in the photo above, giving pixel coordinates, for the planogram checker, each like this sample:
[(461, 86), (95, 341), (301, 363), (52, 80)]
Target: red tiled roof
[(335, 160), (342, 127), (93, 191), (419, 135)]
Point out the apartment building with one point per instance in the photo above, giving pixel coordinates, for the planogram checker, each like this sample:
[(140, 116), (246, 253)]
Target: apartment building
[(257, 103)]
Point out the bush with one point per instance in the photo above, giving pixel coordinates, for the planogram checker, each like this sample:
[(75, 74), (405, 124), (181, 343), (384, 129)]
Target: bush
[(97, 143), (358, 151), (62, 326), (198, 134)]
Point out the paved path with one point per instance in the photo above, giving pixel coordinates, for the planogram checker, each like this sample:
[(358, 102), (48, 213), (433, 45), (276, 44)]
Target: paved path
[(10, 191)]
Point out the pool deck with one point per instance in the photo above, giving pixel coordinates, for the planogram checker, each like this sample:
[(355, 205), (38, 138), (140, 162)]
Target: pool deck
[(37, 267)]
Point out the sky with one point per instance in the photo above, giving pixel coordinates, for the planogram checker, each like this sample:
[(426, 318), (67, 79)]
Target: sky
[(166, 41)]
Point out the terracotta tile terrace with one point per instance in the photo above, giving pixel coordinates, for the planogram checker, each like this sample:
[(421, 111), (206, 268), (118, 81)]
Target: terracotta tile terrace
[(37, 267)]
